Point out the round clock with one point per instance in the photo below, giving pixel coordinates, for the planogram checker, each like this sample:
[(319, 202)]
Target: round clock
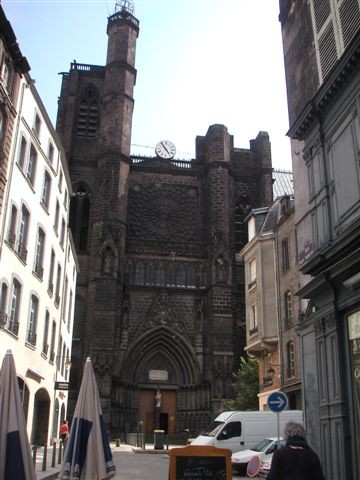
[(165, 149)]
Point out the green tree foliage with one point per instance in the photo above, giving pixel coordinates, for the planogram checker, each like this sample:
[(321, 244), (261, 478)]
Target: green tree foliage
[(245, 385)]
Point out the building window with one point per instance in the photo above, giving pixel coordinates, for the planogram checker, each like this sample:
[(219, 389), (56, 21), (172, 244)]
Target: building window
[(253, 321), (51, 151), (37, 125), (3, 305), (14, 308), (11, 237), (252, 273), (62, 235), (45, 347), (60, 180), (45, 196), (52, 344), (39, 254), (23, 233), (335, 23), (64, 305), (290, 353), (22, 152), (288, 308), (6, 75), (31, 169), (24, 396), (32, 323), (51, 274), (57, 214), (285, 254), (58, 281), (2, 127), (69, 311)]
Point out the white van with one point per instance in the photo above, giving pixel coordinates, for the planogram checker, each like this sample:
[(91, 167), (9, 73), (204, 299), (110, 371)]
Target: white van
[(242, 430)]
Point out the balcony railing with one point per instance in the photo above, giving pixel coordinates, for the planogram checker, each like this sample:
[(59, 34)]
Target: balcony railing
[(45, 348), (52, 357), (11, 239), (39, 270), (50, 289), (22, 252), (3, 319), (31, 337), (13, 327)]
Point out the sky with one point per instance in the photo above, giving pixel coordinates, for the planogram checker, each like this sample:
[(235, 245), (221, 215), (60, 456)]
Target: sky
[(199, 63)]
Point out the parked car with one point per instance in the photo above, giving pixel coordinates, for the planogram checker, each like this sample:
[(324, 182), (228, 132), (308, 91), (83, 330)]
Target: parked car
[(264, 449), (266, 462)]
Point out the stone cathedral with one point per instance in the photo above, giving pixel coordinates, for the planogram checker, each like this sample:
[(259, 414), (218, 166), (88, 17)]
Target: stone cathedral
[(160, 295)]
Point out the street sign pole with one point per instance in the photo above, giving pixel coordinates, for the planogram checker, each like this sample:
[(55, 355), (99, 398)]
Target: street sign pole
[(277, 402)]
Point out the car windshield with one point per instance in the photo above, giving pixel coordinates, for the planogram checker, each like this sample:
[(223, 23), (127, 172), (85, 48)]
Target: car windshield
[(213, 429), (261, 446)]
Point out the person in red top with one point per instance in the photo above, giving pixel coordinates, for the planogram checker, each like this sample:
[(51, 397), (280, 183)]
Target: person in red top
[(64, 431)]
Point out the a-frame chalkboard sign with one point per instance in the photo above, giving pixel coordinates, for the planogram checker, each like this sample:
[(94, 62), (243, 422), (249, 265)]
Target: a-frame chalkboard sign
[(200, 463)]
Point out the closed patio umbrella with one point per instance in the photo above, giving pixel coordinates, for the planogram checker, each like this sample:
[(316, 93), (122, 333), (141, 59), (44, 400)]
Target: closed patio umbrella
[(15, 455), (87, 454)]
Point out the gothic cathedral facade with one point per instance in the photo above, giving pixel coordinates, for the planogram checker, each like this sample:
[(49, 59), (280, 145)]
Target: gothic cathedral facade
[(160, 293)]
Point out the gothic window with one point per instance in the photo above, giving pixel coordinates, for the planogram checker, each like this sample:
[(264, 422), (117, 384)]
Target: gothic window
[(150, 274), (170, 275), (190, 276), (107, 261), (80, 217), (88, 113), (139, 274), (160, 274), (180, 276)]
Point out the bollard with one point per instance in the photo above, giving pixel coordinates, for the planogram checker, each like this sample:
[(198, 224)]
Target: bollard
[(34, 455), (44, 458), (60, 448), (53, 455)]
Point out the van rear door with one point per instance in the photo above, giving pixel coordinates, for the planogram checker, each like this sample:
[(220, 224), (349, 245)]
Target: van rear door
[(231, 437)]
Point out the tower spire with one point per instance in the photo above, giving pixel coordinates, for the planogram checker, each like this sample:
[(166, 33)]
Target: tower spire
[(127, 5)]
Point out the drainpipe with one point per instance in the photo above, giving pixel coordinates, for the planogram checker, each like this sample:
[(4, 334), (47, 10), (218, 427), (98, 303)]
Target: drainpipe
[(278, 312)]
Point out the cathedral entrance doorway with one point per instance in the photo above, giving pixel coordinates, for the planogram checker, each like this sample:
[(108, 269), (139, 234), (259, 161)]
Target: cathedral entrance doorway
[(157, 412)]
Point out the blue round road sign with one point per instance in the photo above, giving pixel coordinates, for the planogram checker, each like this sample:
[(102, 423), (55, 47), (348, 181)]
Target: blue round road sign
[(277, 401)]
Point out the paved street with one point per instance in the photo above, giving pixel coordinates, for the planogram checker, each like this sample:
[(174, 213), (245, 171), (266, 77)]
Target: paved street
[(141, 466)]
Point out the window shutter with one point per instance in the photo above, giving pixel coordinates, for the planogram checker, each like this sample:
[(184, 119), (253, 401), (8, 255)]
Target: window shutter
[(349, 14), (327, 49), (322, 10)]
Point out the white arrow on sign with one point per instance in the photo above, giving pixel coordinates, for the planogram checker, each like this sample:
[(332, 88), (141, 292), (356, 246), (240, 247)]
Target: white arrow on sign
[(279, 401)]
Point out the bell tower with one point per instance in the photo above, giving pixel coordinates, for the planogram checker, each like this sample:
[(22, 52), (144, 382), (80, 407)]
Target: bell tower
[(94, 123)]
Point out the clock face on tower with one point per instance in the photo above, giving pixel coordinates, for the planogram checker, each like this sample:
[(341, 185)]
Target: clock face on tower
[(165, 149)]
